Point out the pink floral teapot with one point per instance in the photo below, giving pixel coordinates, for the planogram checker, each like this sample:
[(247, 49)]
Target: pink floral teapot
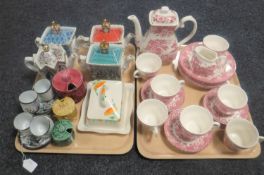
[(161, 38)]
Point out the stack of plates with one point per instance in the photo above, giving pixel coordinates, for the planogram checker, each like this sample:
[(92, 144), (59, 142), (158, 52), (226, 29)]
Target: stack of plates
[(93, 118)]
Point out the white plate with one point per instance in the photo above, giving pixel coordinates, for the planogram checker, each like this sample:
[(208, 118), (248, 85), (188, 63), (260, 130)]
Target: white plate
[(109, 127)]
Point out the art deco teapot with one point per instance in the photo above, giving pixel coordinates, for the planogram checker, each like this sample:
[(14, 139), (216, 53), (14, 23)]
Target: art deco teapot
[(161, 38)]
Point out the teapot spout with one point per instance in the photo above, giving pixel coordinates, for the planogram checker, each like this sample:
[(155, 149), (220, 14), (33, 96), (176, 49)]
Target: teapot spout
[(138, 30)]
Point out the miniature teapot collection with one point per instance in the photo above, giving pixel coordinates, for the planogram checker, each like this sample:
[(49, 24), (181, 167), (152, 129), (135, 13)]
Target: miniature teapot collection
[(50, 107)]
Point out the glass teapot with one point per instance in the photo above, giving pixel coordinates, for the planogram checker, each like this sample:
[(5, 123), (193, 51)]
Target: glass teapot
[(161, 38)]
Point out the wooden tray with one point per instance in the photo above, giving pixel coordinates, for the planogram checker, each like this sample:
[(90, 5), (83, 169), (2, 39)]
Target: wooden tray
[(157, 147), (93, 143)]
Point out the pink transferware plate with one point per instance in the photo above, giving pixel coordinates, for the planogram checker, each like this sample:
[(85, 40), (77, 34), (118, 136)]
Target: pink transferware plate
[(175, 103), (184, 63), (195, 83), (172, 130), (209, 103)]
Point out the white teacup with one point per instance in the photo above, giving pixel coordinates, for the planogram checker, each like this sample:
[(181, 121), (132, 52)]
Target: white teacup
[(195, 121), (148, 64), (216, 43), (164, 87), (44, 90), (240, 134), (29, 101), (230, 98), (40, 126), (22, 122), (152, 113)]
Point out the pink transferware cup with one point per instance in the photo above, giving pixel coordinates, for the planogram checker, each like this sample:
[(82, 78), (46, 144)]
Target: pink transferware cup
[(195, 121), (240, 134), (230, 98), (164, 87)]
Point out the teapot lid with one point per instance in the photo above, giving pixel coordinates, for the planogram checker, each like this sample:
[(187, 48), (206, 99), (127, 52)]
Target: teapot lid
[(163, 17)]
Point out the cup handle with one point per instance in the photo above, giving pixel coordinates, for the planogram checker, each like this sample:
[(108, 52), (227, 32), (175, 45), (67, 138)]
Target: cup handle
[(261, 139), (29, 62), (183, 20), (137, 74), (37, 41), (182, 82), (217, 124)]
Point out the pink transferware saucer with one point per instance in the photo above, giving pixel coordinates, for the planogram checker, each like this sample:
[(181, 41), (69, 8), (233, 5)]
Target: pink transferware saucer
[(184, 63), (172, 130), (209, 103), (195, 83), (175, 103)]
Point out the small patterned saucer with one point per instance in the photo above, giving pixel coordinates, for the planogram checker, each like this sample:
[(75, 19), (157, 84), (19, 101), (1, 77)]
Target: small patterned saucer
[(184, 63), (175, 103), (209, 103), (29, 141), (172, 130)]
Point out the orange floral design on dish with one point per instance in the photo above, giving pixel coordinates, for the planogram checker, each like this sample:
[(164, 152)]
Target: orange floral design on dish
[(109, 111)]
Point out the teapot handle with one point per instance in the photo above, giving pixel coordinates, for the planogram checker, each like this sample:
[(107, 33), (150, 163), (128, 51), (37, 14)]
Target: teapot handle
[(29, 62), (183, 20)]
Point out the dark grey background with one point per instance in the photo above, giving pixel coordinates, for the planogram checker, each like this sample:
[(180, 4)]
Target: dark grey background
[(241, 22)]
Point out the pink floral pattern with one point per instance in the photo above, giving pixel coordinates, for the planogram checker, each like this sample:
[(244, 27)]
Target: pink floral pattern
[(172, 131), (163, 43), (175, 103), (185, 65), (164, 19), (195, 83), (209, 103)]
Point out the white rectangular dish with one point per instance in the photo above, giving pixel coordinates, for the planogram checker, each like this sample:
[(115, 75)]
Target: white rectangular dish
[(109, 127)]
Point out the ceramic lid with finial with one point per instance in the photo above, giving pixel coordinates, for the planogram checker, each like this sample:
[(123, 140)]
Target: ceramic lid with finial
[(163, 17), (111, 33), (67, 80), (57, 34), (104, 54)]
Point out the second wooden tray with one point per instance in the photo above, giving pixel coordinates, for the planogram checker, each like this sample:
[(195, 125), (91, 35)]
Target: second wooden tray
[(157, 147)]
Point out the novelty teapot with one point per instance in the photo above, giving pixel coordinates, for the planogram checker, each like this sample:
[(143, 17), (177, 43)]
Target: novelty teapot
[(161, 38), (48, 60)]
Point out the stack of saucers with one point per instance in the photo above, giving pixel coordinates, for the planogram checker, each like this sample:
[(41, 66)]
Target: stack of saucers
[(207, 64)]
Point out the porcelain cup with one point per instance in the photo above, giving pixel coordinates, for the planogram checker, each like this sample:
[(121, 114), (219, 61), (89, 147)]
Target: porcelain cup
[(152, 113), (164, 87), (148, 64), (44, 90), (230, 98), (40, 126), (216, 43), (22, 122), (195, 121), (29, 101), (240, 134), (207, 62)]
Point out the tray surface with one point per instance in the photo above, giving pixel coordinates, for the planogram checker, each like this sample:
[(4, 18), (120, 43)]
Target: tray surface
[(157, 147), (93, 143)]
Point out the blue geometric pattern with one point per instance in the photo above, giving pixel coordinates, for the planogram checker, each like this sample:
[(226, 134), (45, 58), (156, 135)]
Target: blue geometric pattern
[(112, 57), (62, 38)]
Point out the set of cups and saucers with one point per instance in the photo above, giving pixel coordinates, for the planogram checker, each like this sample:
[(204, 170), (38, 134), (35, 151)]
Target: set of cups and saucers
[(204, 65)]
